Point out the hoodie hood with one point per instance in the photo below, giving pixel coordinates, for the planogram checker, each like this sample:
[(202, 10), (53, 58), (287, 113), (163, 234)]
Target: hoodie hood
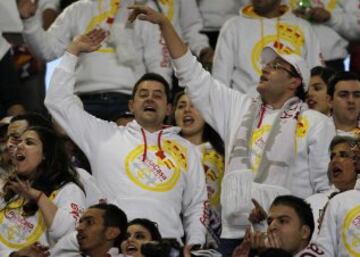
[(248, 12)]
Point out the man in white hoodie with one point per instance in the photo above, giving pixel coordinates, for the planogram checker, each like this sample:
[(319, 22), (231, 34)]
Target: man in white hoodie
[(274, 145), (105, 77), (237, 61), (145, 168)]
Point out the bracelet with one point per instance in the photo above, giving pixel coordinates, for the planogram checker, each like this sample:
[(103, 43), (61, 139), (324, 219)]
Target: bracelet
[(38, 197)]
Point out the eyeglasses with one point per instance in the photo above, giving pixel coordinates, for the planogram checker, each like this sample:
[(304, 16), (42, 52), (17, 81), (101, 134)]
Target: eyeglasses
[(278, 66)]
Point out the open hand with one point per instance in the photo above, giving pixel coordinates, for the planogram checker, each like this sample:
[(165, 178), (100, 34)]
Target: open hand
[(27, 8), (87, 42), (145, 13), (23, 188)]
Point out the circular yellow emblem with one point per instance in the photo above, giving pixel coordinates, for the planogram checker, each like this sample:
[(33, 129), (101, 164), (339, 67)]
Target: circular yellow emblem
[(159, 171), (350, 234)]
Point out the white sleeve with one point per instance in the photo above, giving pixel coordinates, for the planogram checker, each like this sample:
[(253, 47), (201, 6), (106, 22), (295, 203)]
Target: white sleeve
[(345, 19), (67, 246), (52, 43), (70, 202), (84, 129), (319, 140), (313, 52), (155, 50), (92, 191), (210, 97), (194, 204), (191, 24), (223, 64), (326, 238)]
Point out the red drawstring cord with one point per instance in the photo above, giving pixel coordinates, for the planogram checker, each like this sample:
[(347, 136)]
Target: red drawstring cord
[(145, 144), (262, 112)]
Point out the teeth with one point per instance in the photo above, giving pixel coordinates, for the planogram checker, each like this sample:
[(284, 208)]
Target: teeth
[(20, 157)]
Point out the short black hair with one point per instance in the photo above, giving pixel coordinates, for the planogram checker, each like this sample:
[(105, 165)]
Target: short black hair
[(302, 209), (340, 76), (153, 77), (275, 252), (151, 226), (113, 217), (33, 119), (324, 73)]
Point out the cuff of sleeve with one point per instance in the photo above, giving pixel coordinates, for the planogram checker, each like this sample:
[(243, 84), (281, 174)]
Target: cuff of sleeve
[(31, 24), (68, 62), (184, 60)]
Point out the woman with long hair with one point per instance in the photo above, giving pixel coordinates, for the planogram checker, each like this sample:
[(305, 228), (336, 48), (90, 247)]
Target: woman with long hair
[(211, 148), (42, 199)]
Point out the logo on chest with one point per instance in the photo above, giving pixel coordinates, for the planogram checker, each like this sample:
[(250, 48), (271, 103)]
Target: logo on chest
[(156, 169)]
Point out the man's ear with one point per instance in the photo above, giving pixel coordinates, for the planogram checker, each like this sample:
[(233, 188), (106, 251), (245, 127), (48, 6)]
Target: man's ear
[(111, 233), (305, 232), (168, 109), (295, 83), (130, 105)]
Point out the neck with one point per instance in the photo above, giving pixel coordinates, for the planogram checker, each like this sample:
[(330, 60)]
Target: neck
[(273, 13), (276, 103), (347, 187), (345, 125), (302, 246), (99, 251), (195, 139)]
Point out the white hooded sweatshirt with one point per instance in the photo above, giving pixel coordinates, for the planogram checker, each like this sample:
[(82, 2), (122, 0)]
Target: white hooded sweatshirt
[(242, 38), (148, 175), (102, 70)]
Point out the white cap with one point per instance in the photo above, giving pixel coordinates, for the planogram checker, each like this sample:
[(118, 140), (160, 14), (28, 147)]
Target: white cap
[(269, 53)]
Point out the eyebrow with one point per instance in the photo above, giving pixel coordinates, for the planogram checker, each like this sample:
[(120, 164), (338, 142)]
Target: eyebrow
[(86, 218)]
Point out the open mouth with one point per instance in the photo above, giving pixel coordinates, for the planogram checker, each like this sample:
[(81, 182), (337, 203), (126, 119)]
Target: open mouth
[(336, 172), (149, 109), (311, 102), (263, 79), (19, 157), (131, 249), (188, 120)]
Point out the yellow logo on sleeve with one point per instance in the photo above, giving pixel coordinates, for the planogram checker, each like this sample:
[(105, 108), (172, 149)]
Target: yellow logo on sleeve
[(160, 170), (350, 234)]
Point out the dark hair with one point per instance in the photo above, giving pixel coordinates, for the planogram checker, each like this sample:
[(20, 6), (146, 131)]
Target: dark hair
[(275, 252), (33, 119), (209, 134), (354, 144), (152, 227), (53, 172), (302, 209), (113, 217), (152, 77), (324, 73), (340, 76), (300, 90)]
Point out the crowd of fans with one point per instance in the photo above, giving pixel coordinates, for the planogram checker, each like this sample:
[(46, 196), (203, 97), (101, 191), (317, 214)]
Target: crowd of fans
[(259, 155)]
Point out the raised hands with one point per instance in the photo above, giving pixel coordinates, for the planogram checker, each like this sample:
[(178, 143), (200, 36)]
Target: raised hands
[(143, 12), (27, 8), (87, 42)]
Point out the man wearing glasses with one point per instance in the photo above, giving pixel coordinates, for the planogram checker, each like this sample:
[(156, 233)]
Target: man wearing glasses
[(274, 145)]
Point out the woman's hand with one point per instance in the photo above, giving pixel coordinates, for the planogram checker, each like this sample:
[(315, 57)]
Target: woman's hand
[(143, 12), (24, 188)]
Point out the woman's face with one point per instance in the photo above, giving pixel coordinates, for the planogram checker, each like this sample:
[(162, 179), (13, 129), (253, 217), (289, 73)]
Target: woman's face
[(137, 235), (188, 118), (342, 167), (318, 98), (29, 153)]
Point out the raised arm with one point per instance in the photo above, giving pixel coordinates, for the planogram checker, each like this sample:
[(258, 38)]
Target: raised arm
[(176, 46)]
